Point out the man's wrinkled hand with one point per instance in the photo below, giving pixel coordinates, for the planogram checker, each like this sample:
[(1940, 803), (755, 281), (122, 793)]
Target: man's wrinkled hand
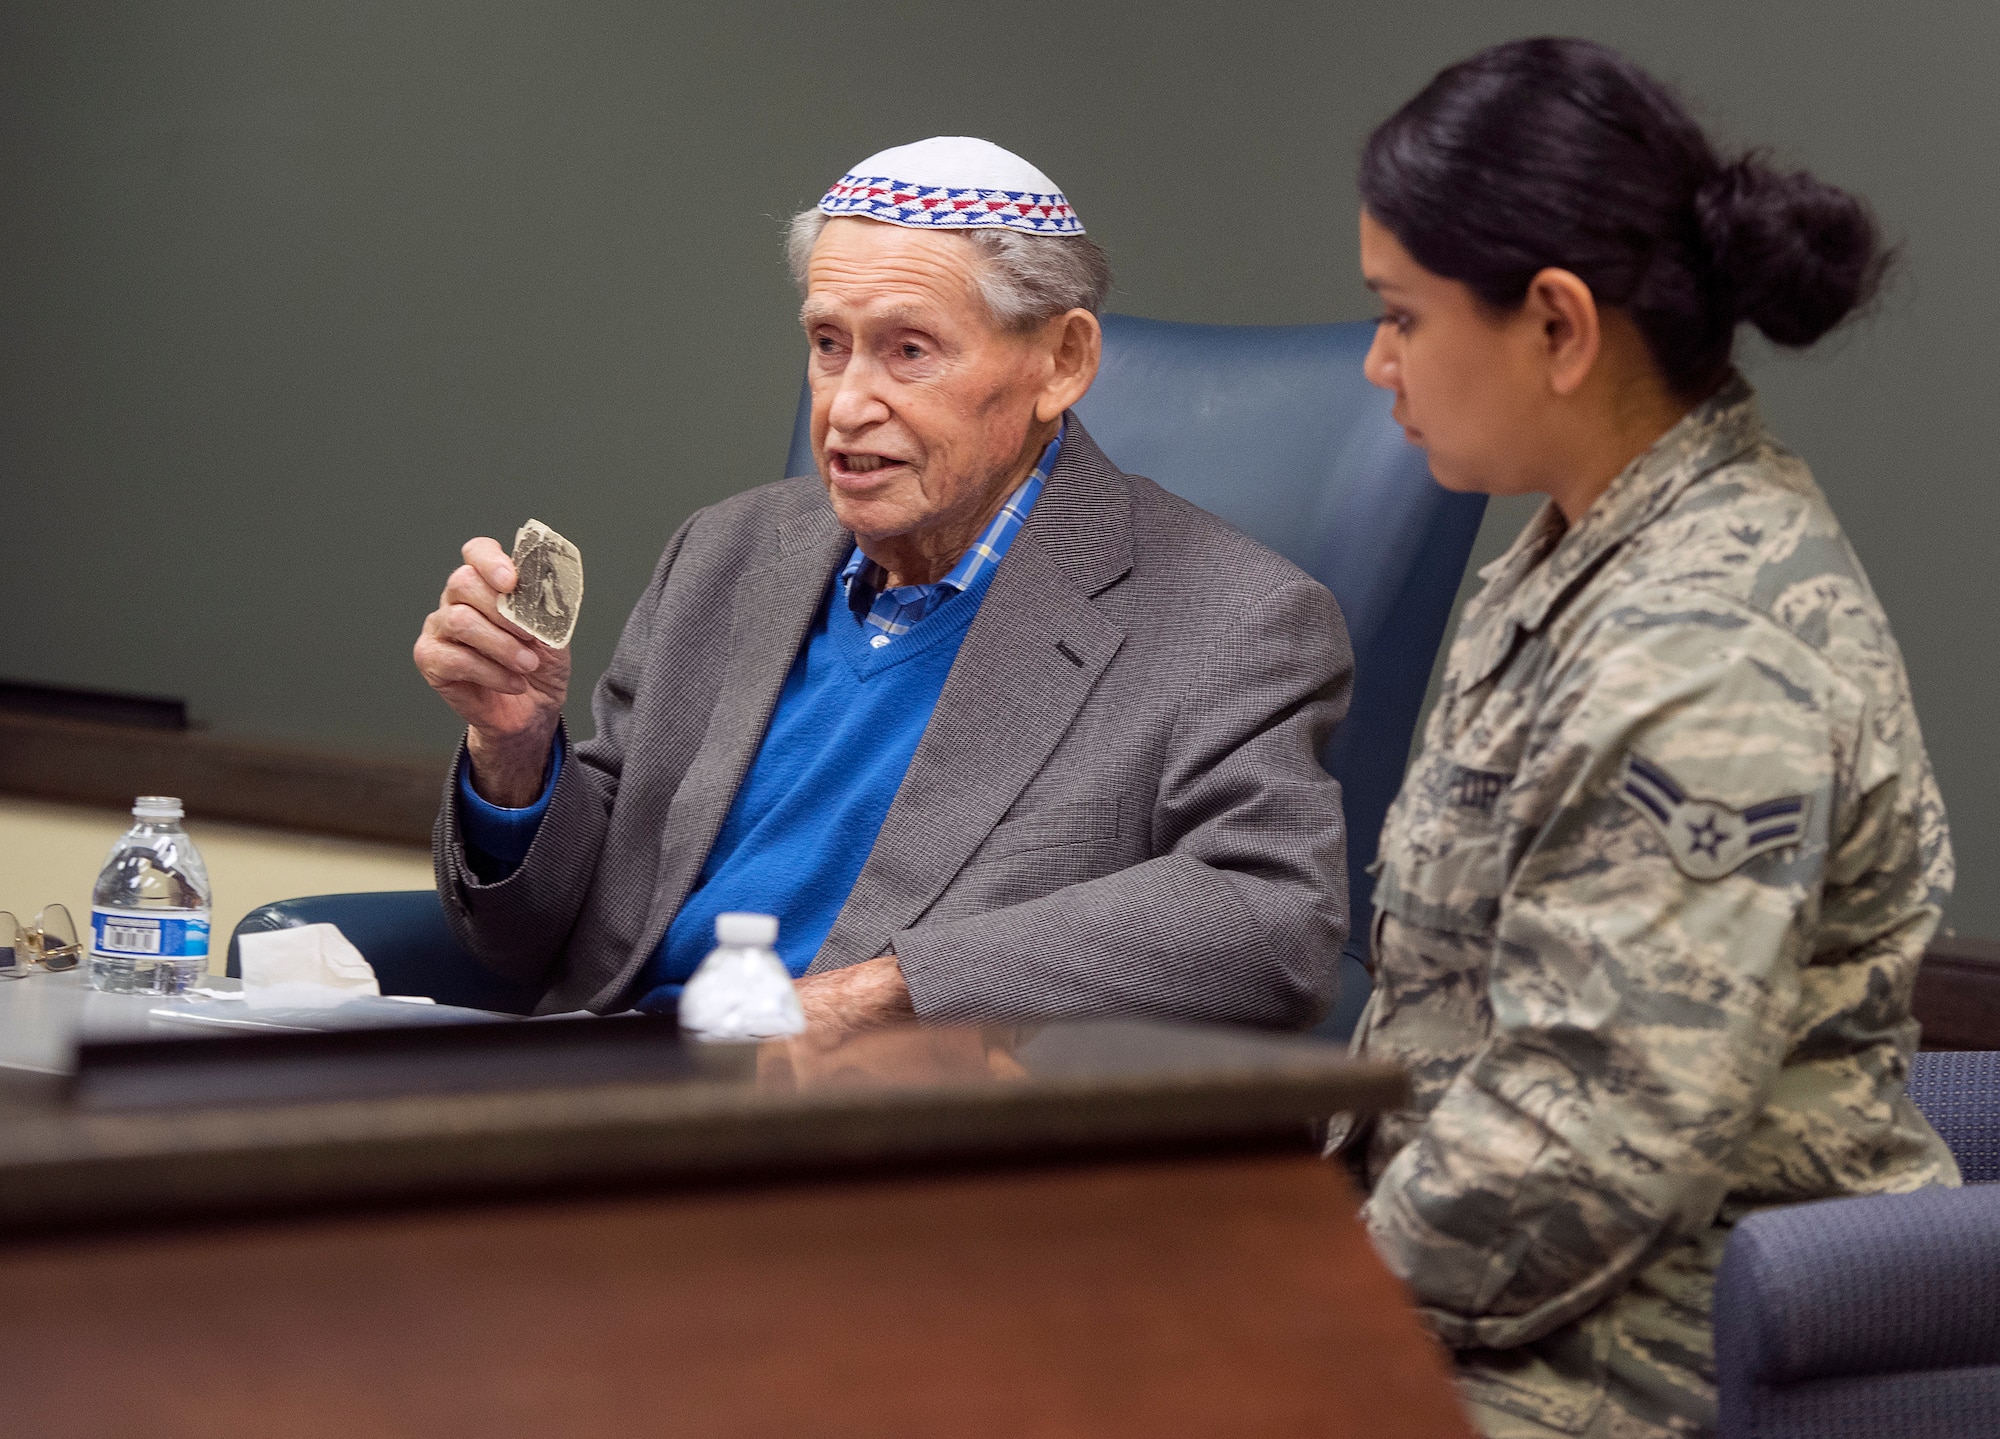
[(505, 684), (847, 1001)]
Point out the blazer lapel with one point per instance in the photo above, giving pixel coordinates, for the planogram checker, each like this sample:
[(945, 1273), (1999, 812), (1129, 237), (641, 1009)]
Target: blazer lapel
[(771, 609), (1027, 665)]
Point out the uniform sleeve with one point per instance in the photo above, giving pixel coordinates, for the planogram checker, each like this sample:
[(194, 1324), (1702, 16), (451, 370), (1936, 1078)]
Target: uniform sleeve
[(1671, 820)]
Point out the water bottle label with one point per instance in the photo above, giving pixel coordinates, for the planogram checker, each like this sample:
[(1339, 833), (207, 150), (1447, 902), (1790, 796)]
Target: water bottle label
[(129, 934)]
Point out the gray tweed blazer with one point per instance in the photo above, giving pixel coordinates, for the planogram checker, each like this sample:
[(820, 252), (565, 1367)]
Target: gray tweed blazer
[(1117, 807)]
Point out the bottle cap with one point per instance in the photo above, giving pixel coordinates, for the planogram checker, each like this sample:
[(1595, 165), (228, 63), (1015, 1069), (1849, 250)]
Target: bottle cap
[(758, 931), (156, 806)]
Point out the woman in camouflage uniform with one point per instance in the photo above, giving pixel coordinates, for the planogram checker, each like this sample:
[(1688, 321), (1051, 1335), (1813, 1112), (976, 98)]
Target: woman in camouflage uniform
[(1651, 901)]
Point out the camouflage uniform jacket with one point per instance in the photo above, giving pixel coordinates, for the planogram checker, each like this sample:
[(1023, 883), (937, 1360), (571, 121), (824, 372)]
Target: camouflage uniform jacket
[(1649, 912)]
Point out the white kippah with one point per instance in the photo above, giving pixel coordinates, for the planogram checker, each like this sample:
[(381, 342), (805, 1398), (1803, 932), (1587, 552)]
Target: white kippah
[(953, 182)]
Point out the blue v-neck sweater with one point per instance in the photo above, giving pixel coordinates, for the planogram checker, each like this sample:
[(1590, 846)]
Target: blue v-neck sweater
[(846, 725)]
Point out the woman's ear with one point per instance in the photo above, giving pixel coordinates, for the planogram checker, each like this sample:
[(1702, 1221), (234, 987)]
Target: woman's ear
[(1571, 337), (1075, 345)]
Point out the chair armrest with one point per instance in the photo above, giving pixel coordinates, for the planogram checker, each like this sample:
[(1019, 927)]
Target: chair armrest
[(1888, 1284)]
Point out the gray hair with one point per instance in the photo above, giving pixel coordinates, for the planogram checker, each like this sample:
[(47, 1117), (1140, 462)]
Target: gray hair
[(1025, 279)]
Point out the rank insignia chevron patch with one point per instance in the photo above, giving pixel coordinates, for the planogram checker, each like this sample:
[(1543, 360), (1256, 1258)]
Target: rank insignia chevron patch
[(1708, 839)]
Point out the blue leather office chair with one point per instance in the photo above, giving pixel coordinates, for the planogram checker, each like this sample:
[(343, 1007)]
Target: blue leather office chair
[(1275, 429), (403, 934), (1857, 1318)]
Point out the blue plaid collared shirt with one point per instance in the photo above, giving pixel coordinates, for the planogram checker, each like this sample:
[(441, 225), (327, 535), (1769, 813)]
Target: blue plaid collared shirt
[(893, 612)]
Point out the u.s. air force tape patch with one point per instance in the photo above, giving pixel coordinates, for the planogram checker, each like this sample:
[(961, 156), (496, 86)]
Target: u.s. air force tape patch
[(1706, 838)]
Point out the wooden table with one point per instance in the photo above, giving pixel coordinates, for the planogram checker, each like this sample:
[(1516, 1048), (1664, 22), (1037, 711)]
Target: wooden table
[(1110, 1229)]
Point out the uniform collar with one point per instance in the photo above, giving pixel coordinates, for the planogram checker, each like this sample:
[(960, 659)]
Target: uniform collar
[(1549, 559)]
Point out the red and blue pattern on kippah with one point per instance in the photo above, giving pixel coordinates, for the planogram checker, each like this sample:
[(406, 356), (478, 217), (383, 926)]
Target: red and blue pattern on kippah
[(897, 202)]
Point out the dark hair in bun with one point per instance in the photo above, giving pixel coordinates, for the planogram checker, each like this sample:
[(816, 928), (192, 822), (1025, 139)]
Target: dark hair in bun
[(1564, 153)]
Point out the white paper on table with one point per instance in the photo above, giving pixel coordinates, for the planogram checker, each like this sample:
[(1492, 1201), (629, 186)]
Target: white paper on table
[(308, 967), (361, 1011)]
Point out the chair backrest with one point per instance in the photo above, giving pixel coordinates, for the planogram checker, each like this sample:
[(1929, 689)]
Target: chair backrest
[(1275, 429), (403, 934), (1959, 1093)]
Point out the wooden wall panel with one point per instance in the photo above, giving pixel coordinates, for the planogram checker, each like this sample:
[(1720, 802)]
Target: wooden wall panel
[(218, 777), (1958, 993)]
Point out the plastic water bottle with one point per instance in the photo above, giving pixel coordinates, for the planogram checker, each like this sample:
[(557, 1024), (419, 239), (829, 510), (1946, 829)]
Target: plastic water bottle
[(742, 990), (149, 913)]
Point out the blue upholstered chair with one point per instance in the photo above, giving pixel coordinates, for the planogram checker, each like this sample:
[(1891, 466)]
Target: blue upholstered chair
[(1272, 428), (403, 934), (1857, 1318), (1959, 1093)]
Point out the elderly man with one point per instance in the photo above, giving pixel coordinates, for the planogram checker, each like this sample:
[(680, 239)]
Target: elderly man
[(995, 730)]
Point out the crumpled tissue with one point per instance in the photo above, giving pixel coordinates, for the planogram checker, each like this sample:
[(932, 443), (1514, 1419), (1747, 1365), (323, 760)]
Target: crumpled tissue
[(309, 967)]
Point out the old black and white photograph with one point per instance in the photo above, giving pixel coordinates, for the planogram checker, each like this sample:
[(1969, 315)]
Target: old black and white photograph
[(548, 589)]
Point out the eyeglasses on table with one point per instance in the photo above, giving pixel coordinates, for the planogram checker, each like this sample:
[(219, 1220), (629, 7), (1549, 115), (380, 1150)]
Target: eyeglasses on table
[(48, 944)]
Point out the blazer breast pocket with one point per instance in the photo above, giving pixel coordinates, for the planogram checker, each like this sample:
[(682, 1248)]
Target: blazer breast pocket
[(1093, 821)]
